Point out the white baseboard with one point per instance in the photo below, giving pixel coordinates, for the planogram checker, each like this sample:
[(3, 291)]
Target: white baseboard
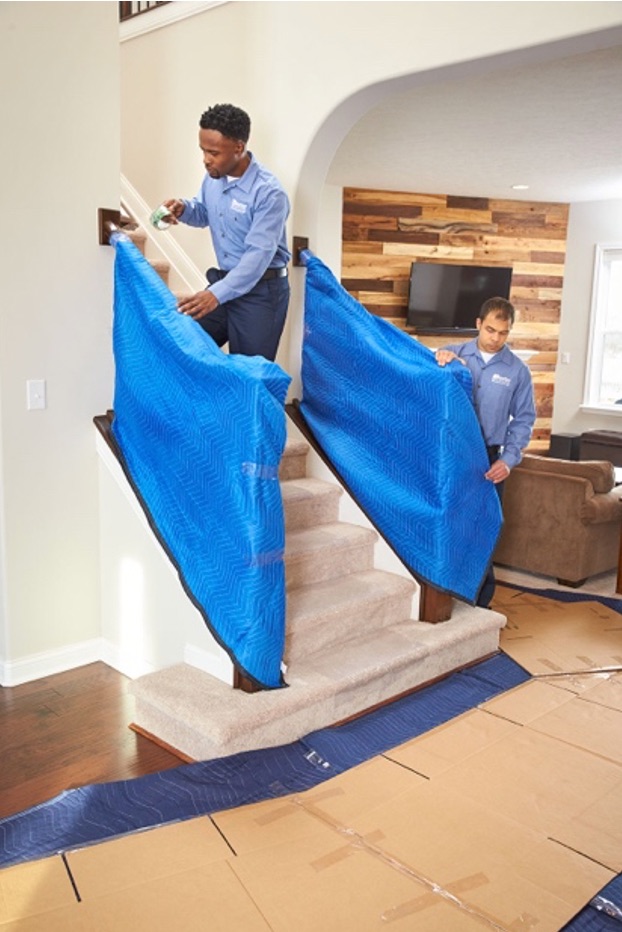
[(48, 663), (124, 662)]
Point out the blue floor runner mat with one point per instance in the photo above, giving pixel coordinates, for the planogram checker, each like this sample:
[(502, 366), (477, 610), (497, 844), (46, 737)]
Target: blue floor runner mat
[(603, 913)]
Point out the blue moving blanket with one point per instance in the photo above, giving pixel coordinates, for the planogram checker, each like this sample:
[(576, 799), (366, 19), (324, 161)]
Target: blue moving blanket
[(201, 435), (403, 434)]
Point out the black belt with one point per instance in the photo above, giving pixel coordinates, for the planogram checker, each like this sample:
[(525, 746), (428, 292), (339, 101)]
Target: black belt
[(215, 275), (281, 272), (493, 452)]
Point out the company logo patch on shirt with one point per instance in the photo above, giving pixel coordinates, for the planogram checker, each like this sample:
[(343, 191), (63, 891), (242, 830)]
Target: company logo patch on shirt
[(239, 208), (501, 379)]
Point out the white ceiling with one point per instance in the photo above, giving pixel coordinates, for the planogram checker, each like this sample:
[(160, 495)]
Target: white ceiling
[(556, 127)]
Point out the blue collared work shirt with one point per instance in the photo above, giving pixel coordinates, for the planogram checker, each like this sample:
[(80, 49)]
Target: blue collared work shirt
[(247, 218), (502, 397)]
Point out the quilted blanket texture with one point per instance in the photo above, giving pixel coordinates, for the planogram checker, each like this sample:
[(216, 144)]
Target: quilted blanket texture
[(402, 433), (200, 435)]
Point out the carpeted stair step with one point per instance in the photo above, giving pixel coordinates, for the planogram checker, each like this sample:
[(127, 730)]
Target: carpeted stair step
[(309, 502), (203, 718), (162, 268), (322, 615), (294, 460), (326, 552), (138, 237)]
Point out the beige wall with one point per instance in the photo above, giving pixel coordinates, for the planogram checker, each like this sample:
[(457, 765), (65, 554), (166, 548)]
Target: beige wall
[(60, 162)]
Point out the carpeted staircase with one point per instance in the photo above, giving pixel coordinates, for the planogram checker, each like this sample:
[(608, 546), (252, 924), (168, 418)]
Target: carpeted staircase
[(352, 639)]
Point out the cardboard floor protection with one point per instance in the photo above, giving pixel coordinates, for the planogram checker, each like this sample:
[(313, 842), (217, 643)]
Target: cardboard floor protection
[(550, 636), (508, 817)]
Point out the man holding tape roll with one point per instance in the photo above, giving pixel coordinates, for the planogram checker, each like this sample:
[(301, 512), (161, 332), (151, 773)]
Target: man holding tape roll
[(246, 209)]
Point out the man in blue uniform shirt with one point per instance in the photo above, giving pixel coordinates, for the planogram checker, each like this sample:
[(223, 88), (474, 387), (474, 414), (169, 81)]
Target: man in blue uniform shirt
[(502, 397), (246, 209)]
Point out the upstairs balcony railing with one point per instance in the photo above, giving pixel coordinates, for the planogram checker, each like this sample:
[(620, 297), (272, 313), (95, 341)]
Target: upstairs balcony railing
[(127, 10)]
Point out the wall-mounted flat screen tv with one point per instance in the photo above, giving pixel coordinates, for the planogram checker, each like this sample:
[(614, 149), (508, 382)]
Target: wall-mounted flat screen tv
[(447, 298)]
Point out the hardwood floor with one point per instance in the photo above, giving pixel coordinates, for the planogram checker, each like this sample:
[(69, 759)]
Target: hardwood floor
[(69, 730)]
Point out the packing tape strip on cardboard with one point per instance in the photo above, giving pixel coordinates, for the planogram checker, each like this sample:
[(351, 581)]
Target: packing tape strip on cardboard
[(294, 803), (452, 893)]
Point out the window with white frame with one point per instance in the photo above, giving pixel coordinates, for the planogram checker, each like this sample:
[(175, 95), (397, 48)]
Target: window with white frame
[(603, 384)]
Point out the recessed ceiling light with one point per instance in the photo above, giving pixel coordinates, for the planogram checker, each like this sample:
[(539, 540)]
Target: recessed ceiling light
[(520, 187)]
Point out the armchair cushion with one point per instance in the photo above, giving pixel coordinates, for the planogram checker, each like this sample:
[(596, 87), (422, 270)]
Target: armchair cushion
[(598, 472)]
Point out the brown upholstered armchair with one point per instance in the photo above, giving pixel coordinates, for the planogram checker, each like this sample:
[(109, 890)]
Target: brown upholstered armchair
[(561, 518)]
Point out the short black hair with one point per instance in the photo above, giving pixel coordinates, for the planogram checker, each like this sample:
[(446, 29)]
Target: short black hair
[(228, 120), (500, 308)]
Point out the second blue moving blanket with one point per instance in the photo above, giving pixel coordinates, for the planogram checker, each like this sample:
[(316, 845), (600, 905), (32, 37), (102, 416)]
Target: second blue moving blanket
[(403, 434)]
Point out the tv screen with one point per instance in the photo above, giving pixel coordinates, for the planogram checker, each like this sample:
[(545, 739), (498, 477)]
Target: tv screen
[(446, 298)]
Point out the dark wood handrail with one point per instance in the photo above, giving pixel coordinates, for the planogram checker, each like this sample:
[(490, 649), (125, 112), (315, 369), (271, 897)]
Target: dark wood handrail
[(131, 8)]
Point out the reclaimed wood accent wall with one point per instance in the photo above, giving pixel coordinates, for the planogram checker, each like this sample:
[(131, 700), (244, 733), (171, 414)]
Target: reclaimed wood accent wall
[(384, 231)]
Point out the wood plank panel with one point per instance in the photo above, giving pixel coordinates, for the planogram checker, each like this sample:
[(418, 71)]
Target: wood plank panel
[(353, 246), (523, 245), (369, 196), (357, 284), (447, 228), (390, 236), (439, 251), (386, 299), (369, 212), (549, 208), (384, 231), (554, 257), (536, 268), (457, 215)]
